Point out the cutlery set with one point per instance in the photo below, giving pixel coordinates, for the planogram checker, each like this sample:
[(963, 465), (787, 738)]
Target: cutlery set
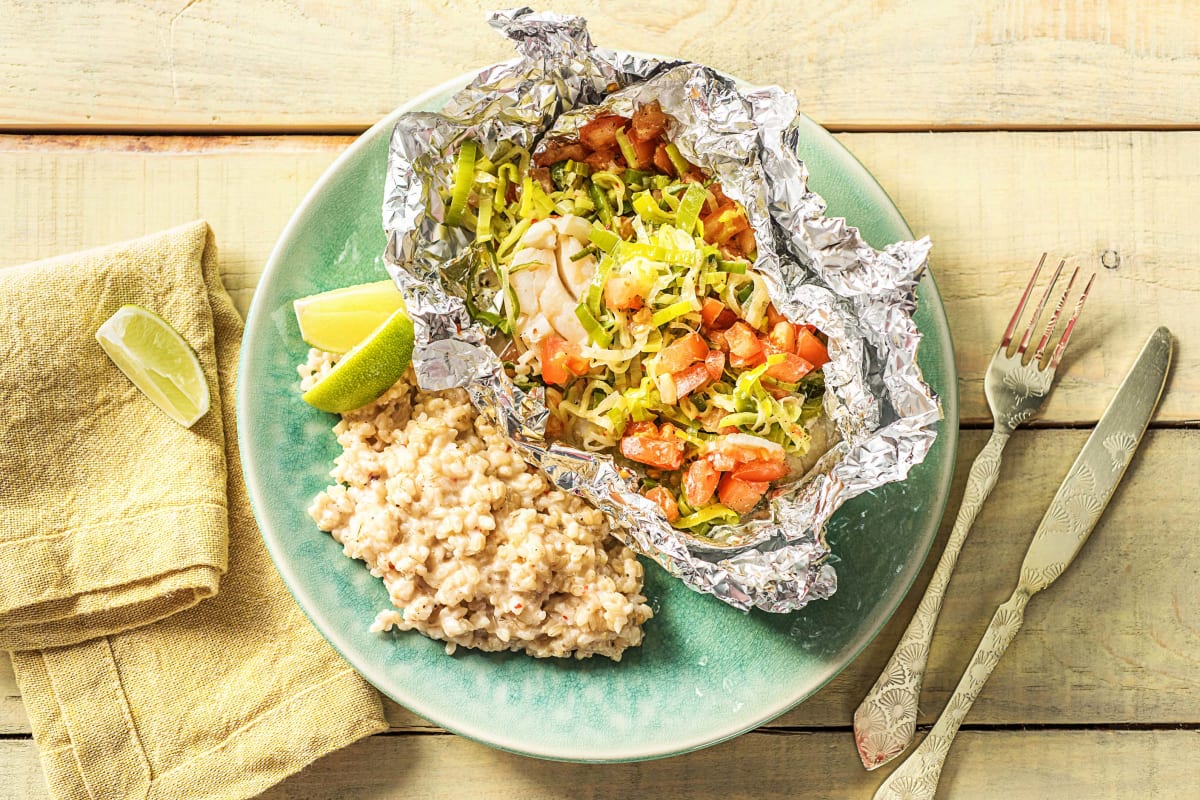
[(1016, 385)]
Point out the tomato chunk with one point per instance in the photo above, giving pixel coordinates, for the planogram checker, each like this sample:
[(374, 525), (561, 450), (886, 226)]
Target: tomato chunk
[(783, 336), (760, 471), (662, 160), (746, 447), (682, 353), (646, 428), (692, 378), (715, 316), (649, 120), (653, 451), (791, 369), (700, 482), (743, 342), (560, 360), (643, 149), (601, 132), (715, 364), (810, 348), (665, 501), (740, 495)]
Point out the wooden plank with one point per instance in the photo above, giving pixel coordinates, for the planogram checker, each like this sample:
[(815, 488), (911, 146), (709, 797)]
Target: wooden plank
[(1115, 641), (220, 65), (991, 202), (1112, 765)]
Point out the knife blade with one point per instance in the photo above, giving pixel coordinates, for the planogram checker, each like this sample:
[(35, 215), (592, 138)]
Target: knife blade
[(1106, 454)]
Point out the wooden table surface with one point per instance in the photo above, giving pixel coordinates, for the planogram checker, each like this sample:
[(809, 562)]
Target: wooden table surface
[(1001, 128)]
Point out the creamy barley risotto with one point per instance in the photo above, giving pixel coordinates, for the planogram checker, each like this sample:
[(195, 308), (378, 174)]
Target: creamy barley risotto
[(475, 547)]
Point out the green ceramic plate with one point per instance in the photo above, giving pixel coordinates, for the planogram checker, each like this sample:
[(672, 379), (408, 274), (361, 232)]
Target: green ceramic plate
[(706, 672)]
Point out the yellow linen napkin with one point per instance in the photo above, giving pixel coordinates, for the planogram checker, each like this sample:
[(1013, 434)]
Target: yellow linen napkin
[(118, 523)]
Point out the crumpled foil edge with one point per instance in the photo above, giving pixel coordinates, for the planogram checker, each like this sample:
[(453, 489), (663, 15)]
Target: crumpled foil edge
[(819, 270)]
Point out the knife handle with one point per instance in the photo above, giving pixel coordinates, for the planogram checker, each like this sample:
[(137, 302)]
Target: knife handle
[(917, 777), (886, 720)]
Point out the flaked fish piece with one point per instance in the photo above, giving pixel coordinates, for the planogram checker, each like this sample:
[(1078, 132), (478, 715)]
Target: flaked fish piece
[(547, 282)]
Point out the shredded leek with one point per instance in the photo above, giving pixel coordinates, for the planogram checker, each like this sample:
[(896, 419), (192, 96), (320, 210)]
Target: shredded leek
[(713, 513), (627, 149), (464, 178), (673, 311), (681, 165)]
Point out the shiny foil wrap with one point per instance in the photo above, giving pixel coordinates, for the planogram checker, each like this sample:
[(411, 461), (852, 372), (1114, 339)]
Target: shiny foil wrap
[(818, 269)]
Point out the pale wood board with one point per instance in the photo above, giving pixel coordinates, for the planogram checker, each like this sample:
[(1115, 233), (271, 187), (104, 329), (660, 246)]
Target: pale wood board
[(330, 65), (1115, 640), (814, 766), (990, 201)]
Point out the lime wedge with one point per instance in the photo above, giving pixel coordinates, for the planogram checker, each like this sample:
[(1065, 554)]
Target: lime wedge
[(158, 361), (336, 321), (368, 370)]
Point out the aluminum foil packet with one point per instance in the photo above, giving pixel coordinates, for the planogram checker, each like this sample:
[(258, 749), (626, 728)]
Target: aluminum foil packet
[(818, 269)]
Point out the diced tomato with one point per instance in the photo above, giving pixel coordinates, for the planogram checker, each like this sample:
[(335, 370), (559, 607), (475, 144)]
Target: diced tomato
[(622, 293), (649, 120), (760, 471), (601, 132), (700, 482), (653, 451), (560, 150), (791, 369), (717, 341), (643, 149), (665, 501), (692, 378), (714, 363), (662, 160), (714, 315), (740, 495), (724, 223), (560, 360), (710, 309), (746, 447), (783, 336), (606, 159), (774, 316), (743, 343), (645, 428), (682, 353), (810, 348)]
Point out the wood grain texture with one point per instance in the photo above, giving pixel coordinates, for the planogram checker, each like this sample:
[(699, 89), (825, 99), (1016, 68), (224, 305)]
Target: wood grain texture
[(1116, 640), (339, 65), (820, 766), (991, 202)]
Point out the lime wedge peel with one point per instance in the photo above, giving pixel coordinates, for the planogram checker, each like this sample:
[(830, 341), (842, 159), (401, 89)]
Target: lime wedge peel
[(158, 361), (338, 320), (368, 370)]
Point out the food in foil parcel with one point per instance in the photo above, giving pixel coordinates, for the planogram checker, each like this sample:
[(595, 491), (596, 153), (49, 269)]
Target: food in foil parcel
[(618, 257), (629, 296)]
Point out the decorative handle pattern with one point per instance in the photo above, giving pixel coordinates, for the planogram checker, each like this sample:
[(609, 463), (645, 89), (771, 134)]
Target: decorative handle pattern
[(917, 777), (886, 720)]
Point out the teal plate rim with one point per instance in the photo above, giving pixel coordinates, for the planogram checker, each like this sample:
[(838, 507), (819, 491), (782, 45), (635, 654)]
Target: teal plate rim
[(352, 641)]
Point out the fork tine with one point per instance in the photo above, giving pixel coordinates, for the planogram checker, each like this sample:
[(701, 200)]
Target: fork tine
[(1016, 317), (1066, 337), (1041, 306), (1050, 326)]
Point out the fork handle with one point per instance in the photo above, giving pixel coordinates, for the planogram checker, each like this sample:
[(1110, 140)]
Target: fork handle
[(886, 720), (917, 777)]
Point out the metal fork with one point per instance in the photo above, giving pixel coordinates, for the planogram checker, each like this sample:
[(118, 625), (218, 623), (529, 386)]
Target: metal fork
[(1016, 386)]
